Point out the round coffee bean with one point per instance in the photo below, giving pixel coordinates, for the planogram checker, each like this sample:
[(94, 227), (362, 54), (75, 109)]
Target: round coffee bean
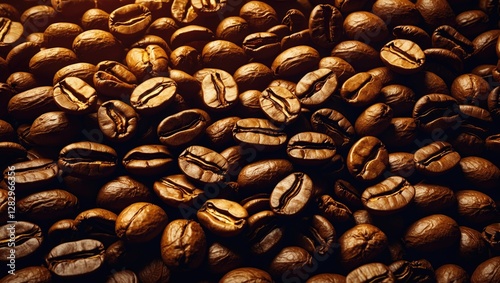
[(140, 222), (403, 56)]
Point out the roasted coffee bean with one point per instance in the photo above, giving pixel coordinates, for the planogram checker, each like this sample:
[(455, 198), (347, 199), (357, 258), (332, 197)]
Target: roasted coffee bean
[(400, 98), (486, 271), (370, 272), (93, 46), (87, 159), (389, 196), (48, 205), (185, 58), (148, 160), (22, 81), (259, 15), (183, 127), (33, 174), (140, 222), (280, 105), (73, 259), (311, 148), (435, 13), (253, 76), (470, 89), (436, 158), (413, 33), (192, 35), (38, 273), (220, 133), (325, 25), (114, 79), (480, 172), (117, 120), (290, 261), (51, 127), (449, 38), (367, 159), (292, 194), (295, 61), (451, 273), (218, 89), (223, 217), (61, 35), (75, 96), (259, 132), (28, 238), (62, 231), (436, 112), (432, 198), (355, 52), (153, 95), (122, 276), (203, 164), (243, 274), (183, 11), (154, 271), (431, 233), (317, 235), (361, 89), (326, 277), (224, 55), (316, 87), (176, 190), (129, 21), (147, 62), (414, 271), (233, 29), (95, 19), (361, 244), (472, 22), (222, 258), (491, 235), (19, 56), (98, 224), (262, 176), (334, 124), (265, 233), (403, 56), (365, 26), (373, 120), (475, 207), (121, 192)]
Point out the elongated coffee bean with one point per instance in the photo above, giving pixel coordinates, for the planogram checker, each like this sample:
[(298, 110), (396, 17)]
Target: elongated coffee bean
[(87, 160), (292, 194), (203, 164), (367, 159), (436, 158), (147, 160), (117, 120), (325, 25), (316, 87), (73, 95), (257, 132), (153, 95), (311, 148), (388, 196), (223, 217), (183, 127), (77, 258), (279, 104), (403, 56), (334, 124)]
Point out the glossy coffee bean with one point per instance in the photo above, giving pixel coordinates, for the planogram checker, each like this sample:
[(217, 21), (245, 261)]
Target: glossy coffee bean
[(259, 132), (246, 273), (292, 194), (223, 217), (371, 271), (140, 222), (121, 192), (436, 158), (280, 105), (42, 275), (117, 120), (153, 95), (203, 164), (325, 25), (28, 238), (87, 159), (129, 21), (361, 244), (48, 205), (432, 232), (73, 259), (361, 89), (388, 196), (316, 87), (75, 96), (403, 56), (367, 158), (311, 148), (176, 190), (183, 127)]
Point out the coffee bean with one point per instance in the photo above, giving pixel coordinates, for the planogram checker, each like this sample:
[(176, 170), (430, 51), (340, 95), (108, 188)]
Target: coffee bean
[(246, 273), (280, 105), (325, 25), (140, 222), (259, 132), (33, 174), (430, 233), (295, 61), (117, 120), (223, 217), (87, 159), (147, 160), (292, 194), (83, 257), (265, 234), (361, 244), (388, 196), (361, 89), (75, 96), (403, 56), (121, 192), (369, 272), (153, 95), (311, 148), (28, 238), (203, 164), (316, 87), (436, 158), (176, 190), (48, 205), (38, 274), (367, 159), (436, 111), (129, 21), (451, 272)]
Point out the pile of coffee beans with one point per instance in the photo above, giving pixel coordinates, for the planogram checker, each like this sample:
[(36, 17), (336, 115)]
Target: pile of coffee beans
[(249, 141)]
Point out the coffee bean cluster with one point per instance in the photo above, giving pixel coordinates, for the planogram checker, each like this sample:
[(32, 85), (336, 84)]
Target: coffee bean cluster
[(249, 141)]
